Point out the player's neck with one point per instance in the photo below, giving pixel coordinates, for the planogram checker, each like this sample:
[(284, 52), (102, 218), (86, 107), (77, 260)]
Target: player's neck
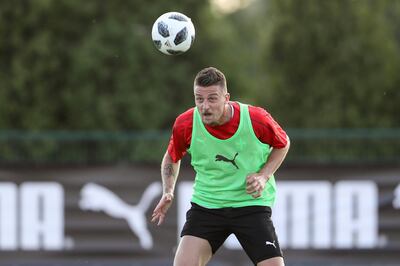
[(227, 114)]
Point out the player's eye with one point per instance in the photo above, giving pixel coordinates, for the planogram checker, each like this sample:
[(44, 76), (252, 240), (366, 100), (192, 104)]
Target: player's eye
[(212, 99), (199, 100)]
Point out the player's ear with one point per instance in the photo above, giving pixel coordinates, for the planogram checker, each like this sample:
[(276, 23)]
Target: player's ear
[(227, 97)]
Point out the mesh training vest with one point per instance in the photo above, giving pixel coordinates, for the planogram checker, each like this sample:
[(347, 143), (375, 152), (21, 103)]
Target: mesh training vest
[(222, 165)]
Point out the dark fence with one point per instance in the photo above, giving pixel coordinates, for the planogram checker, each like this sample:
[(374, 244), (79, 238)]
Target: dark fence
[(96, 147), (375, 145)]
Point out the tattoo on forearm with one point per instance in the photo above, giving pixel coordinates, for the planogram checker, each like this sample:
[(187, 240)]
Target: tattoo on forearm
[(168, 170), (168, 177)]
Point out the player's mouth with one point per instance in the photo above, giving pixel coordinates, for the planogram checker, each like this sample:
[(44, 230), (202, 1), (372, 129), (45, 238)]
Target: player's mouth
[(206, 117)]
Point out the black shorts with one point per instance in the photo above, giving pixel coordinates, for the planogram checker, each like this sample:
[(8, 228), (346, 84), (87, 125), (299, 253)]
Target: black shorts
[(251, 225)]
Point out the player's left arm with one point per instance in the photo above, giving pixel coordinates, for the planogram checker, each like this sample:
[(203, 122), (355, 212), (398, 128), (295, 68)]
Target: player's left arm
[(255, 183), (270, 132)]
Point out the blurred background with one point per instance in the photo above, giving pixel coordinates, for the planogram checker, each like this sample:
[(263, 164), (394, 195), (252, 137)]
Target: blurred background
[(87, 104)]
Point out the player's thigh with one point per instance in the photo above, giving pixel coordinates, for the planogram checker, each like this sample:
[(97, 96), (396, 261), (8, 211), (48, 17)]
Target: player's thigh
[(256, 233), (192, 251), (277, 261)]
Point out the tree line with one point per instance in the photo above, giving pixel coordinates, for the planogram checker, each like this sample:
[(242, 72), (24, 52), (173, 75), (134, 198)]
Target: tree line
[(91, 65)]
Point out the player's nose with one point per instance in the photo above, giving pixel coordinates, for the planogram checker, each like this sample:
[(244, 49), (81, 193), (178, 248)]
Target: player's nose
[(205, 106)]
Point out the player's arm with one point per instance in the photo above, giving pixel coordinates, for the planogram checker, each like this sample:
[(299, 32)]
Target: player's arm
[(170, 166), (169, 175), (275, 160), (256, 182), (270, 132)]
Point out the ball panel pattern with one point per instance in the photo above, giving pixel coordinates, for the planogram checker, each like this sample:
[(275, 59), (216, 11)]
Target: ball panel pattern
[(174, 52), (181, 36), (163, 29), (157, 43), (178, 17)]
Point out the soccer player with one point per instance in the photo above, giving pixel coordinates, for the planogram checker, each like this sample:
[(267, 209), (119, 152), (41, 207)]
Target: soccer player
[(235, 150)]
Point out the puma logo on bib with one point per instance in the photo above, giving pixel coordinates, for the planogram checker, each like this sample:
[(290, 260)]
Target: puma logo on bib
[(219, 157)]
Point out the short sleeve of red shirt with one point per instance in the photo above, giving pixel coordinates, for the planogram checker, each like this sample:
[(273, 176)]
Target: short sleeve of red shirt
[(181, 135), (266, 128)]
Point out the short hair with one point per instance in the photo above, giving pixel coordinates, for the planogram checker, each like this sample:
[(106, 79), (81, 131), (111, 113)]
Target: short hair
[(210, 76)]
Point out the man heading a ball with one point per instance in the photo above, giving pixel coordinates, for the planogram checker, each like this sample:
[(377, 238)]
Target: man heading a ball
[(235, 150)]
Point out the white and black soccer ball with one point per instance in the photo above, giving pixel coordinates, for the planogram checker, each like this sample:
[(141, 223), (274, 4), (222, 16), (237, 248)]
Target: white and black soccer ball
[(173, 33)]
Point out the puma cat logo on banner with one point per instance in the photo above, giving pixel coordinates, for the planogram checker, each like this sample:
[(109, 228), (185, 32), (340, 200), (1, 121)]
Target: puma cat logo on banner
[(97, 198), (223, 158)]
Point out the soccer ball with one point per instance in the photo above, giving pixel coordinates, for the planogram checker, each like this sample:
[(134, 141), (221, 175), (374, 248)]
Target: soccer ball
[(173, 33)]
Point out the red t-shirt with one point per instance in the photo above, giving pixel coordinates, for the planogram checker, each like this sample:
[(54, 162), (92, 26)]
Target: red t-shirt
[(266, 129)]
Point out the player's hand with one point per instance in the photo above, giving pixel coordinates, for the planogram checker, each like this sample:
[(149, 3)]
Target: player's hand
[(255, 184), (162, 207)]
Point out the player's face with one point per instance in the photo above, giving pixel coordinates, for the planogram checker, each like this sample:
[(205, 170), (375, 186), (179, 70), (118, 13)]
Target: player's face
[(211, 102)]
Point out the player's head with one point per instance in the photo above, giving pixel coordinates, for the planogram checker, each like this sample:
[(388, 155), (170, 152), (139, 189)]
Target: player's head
[(211, 96), (210, 76)]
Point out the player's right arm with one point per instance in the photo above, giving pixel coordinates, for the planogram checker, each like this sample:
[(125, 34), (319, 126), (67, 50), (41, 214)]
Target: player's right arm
[(170, 165), (169, 175)]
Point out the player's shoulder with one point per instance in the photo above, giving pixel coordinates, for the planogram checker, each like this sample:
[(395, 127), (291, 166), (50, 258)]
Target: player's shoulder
[(257, 113), (185, 117)]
